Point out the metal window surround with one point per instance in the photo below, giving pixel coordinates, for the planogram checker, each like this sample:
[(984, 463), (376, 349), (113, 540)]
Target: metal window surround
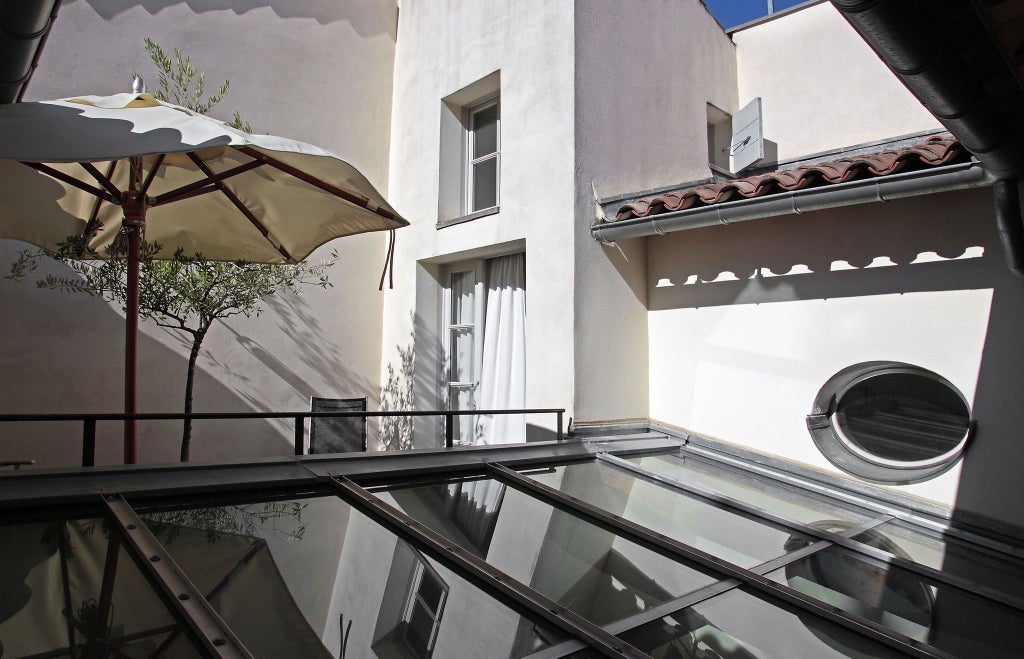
[(27, 495)]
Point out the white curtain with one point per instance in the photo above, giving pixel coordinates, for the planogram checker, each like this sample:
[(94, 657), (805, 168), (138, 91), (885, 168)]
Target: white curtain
[(503, 368)]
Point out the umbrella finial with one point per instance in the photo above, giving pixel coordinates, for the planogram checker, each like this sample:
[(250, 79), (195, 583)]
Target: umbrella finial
[(138, 85)]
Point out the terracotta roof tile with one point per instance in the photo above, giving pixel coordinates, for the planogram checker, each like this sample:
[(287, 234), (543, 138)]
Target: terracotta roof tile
[(933, 152)]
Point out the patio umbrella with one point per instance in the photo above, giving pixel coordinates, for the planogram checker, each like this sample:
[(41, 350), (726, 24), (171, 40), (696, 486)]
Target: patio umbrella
[(130, 165)]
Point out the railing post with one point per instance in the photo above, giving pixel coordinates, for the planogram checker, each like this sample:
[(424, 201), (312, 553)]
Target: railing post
[(449, 429), (300, 434), (561, 435), (88, 442)]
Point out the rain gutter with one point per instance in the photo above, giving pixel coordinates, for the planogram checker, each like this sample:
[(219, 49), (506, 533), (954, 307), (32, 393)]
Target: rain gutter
[(896, 186), (946, 54), (24, 28)]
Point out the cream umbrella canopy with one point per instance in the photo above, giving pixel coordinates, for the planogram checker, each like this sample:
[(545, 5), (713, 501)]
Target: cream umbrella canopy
[(133, 165)]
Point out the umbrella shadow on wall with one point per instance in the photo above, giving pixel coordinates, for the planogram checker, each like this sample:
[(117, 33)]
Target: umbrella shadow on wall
[(63, 355), (367, 17)]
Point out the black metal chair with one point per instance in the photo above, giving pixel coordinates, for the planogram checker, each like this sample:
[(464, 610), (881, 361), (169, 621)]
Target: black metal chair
[(337, 434)]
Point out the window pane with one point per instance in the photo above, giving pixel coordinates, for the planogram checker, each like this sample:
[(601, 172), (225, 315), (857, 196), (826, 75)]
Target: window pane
[(431, 591), (462, 355), (587, 569), (950, 555), (53, 576), (951, 619), (738, 539), (485, 131), (485, 184), (290, 577), (903, 417), (786, 502), (740, 624), (421, 623), (463, 292), (461, 399)]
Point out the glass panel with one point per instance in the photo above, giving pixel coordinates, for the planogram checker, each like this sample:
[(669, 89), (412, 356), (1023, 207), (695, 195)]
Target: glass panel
[(462, 355), (786, 502), (738, 539), (741, 625), (463, 426), (593, 572), (71, 583), (463, 292), (290, 577), (951, 619), (950, 555), (485, 184), (485, 131), (903, 417)]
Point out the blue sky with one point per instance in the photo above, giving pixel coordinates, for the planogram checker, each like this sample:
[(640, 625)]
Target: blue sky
[(731, 13)]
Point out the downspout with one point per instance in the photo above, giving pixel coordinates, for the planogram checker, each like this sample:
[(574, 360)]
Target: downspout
[(896, 186), (1006, 193)]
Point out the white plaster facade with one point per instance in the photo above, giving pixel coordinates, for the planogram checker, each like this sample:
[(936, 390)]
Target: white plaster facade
[(726, 331)]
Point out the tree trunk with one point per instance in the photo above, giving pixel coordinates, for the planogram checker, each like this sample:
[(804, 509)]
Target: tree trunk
[(186, 431)]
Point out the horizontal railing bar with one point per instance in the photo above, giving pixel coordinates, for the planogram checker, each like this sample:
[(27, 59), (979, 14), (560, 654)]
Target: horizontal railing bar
[(178, 416)]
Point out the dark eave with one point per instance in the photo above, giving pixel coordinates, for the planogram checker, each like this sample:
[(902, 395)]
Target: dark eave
[(964, 60), (24, 26)]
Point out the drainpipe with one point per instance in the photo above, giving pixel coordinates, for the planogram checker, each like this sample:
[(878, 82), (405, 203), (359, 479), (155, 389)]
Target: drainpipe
[(1008, 218), (896, 186)]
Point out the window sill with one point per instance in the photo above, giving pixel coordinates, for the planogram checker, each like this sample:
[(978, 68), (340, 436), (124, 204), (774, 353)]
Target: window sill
[(493, 210)]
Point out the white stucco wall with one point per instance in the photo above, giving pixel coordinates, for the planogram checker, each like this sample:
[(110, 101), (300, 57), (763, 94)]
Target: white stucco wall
[(739, 354), (318, 72), (822, 86), (645, 72), (442, 48)]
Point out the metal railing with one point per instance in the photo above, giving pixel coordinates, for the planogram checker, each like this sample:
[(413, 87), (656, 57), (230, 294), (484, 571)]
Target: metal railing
[(89, 421)]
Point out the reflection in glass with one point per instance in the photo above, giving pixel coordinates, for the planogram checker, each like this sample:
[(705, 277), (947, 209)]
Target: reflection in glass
[(903, 417), (954, 556), (593, 572), (739, 539), (949, 618), (309, 577), (485, 184), (787, 502), (71, 584), (485, 131), (740, 625), (462, 354), (463, 295)]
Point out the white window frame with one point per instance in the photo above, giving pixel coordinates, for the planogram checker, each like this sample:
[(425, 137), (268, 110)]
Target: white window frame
[(470, 161), (414, 595), (476, 269)]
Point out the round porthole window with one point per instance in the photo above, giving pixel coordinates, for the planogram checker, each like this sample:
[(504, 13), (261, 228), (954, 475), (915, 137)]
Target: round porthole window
[(888, 422)]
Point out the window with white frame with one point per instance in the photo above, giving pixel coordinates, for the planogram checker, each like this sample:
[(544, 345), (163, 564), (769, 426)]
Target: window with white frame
[(462, 311), (483, 334), (483, 156), (423, 608)]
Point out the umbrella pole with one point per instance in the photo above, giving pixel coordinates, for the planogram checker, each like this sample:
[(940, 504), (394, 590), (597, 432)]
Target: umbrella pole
[(134, 206)]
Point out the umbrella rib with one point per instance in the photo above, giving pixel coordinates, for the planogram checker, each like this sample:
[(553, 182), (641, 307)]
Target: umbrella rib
[(249, 215), (74, 182), (100, 178), (99, 202), (152, 173), (179, 193), (356, 199)]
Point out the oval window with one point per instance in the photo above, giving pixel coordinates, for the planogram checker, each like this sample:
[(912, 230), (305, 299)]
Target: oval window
[(889, 422)]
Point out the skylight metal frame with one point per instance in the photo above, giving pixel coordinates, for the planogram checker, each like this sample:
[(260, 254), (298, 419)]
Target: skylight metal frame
[(31, 494)]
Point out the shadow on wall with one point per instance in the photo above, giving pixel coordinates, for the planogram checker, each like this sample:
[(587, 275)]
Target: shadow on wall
[(945, 242), (367, 17), (847, 252), (411, 383), (64, 353)]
